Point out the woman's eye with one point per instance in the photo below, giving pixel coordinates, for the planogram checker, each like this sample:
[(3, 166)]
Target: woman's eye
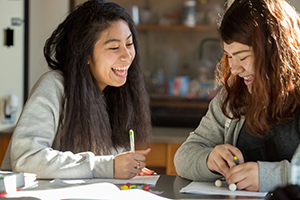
[(114, 48), (244, 58), (130, 44)]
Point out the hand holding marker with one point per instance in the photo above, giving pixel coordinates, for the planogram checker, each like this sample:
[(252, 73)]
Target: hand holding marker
[(145, 171), (132, 148), (232, 186)]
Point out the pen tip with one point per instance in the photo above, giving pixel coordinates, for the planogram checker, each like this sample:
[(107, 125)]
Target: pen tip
[(130, 131)]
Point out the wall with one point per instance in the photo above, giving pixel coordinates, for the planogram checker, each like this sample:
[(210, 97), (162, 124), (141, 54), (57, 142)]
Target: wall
[(12, 57), (44, 17), (296, 4)]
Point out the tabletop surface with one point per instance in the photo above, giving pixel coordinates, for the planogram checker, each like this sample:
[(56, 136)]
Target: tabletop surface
[(172, 184)]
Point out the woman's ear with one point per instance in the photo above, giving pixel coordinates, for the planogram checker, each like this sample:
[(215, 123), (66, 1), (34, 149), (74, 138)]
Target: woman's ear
[(89, 60)]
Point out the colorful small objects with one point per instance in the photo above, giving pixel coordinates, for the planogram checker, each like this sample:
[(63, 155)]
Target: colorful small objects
[(124, 187), (128, 184), (146, 187)]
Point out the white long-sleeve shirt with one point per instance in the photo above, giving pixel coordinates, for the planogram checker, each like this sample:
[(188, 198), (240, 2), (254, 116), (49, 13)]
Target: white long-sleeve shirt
[(32, 146)]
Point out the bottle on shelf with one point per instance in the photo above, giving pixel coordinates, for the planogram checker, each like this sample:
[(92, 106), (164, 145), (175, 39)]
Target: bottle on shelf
[(189, 15)]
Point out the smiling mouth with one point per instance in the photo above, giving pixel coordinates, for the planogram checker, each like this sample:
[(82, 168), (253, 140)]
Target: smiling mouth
[(120, 71), (247, 78)]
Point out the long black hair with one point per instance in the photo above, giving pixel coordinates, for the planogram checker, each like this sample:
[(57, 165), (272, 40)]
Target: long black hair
[(91, 119)]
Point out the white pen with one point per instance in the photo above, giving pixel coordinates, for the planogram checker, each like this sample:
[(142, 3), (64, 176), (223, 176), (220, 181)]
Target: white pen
[(131, 137)]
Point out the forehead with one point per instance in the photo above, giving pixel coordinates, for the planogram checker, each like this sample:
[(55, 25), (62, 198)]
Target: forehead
[(117, 30), (236, 47)]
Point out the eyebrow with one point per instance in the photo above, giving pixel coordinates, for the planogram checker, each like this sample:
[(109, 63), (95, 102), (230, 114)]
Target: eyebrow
[(116, 40), (238, 52)]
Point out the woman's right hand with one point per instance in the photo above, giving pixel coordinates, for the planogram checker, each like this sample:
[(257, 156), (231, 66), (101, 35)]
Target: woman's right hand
[(127, 165), (221, 157)]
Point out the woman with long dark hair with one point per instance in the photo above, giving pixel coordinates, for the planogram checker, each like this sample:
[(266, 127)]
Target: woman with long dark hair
[(255, 117), (76, 121)]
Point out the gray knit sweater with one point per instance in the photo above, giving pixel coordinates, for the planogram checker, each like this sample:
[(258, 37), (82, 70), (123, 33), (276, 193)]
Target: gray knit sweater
[(215, 128), (32, 146)]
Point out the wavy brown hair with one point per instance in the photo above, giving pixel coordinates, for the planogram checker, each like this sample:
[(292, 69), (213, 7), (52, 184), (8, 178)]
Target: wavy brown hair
[(272, 29), (91, 119)]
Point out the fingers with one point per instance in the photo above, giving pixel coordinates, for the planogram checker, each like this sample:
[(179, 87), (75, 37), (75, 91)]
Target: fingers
[(245, 176), (129, 163), (144, 152), (221, 159), (236, 152)]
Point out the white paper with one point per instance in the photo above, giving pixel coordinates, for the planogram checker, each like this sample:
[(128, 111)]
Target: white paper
[(210, 189), (94, 191), (58, 183), (150, 180)]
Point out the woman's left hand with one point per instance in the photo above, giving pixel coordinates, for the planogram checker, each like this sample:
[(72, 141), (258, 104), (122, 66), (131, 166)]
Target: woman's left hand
[(245, 176)]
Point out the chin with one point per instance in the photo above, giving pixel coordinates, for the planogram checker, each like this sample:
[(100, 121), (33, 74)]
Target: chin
[(249, 89), (119, 84)]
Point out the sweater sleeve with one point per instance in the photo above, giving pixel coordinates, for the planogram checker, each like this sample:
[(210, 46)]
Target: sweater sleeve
[(32, 141), (190, 158), (273, 174)]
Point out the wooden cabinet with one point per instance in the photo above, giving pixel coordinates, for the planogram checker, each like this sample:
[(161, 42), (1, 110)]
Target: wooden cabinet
[(4, 141), (5, 136), (161, 158)]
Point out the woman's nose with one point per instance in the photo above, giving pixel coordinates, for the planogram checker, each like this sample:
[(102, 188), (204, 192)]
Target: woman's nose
[(235, 67), (126, 55)]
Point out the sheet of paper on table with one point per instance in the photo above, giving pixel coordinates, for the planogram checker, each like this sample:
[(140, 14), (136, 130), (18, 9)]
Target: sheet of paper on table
[(210, 188), (58, 183), (93, 191), (150, 180)]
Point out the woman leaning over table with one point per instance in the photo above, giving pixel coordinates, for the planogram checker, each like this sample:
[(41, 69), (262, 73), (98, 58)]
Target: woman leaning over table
[(76, 121), (255, 116)]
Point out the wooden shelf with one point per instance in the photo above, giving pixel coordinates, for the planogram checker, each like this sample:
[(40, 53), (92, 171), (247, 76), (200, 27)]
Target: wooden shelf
[(175, 28), (177, 101), (178, 104)]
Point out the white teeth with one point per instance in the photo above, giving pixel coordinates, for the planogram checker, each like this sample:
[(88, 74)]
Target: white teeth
[(247, 77), (121, 68), (120, 74)]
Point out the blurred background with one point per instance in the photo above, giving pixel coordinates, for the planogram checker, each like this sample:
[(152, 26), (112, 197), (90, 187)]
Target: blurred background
[(179, 47)]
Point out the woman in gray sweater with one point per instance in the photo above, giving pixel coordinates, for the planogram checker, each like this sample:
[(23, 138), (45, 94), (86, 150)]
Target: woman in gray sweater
[(255, 116), (76, 121)]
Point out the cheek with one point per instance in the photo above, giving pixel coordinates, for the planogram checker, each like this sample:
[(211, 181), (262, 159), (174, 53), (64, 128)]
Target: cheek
[(133, 54), (249, 67)]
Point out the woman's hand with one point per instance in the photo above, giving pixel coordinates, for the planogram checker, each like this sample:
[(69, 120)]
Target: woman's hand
[(128, 164), (146, 172), (245, 176), (221, 157)]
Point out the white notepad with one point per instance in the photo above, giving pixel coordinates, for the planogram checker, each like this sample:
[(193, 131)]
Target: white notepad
[(210, 189)]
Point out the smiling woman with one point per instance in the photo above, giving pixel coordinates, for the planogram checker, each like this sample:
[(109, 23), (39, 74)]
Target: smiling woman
[(113, 55), (240, 60), (76, 121), (256, 115)]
